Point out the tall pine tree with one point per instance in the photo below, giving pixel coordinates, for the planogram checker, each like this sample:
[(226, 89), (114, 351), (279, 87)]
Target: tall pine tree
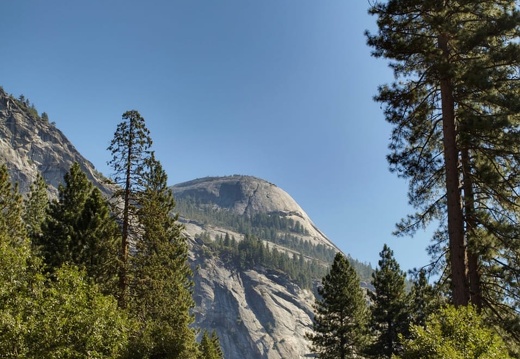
[(389, 306), (161, 286), (11, 209), (340, 313), (130, 151), (79, 230), (454, 108), (36, 204)]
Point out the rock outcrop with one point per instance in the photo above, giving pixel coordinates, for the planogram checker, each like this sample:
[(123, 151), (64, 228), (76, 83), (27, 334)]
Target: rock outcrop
[(30, 144), (256, 313), (247, 196)]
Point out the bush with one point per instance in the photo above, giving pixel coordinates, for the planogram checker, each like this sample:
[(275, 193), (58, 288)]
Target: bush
[(456, 333)]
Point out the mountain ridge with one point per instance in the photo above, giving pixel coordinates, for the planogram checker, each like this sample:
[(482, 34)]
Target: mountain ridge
[(30, 144)]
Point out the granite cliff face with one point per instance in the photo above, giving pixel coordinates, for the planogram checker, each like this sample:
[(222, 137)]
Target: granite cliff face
[(258, 312)]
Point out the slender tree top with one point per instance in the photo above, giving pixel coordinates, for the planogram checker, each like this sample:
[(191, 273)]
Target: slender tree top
[(130, 147)]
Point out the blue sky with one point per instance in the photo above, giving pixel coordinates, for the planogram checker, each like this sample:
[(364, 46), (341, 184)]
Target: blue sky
[(281, 90)]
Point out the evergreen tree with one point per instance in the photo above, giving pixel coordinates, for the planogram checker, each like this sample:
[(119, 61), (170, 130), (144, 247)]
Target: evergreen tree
[(161, 286), (423, 299), (389, 306), (100, 234), (340, 313), (17, 268), (130, 150), (79, 230), (11, 209), (454, 107), (36, 205), (60, 243), (216, 344), (210, 347), (63, 316)]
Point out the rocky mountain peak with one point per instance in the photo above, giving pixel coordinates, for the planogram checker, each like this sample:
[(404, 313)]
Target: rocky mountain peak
[(244, 195), (248, 196)]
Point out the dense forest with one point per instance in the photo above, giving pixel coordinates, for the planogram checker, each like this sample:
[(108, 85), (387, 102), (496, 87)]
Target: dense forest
[(290, 251)]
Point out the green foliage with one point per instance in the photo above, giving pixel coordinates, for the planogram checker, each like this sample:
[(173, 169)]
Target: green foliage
[(74, 320), (389, 306), (130, 150), (11, 209), (36, 205), (58, 296), (60, 317), (17, 281), (79, 230), (210, 347), (454, 108), (252, 252), (17, 269), (160, 288), (340, 314), (61, 242), (423, 300), (455, 333)]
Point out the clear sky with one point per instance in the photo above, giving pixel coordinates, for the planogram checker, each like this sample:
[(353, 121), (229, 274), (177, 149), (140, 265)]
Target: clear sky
[(277, 89)]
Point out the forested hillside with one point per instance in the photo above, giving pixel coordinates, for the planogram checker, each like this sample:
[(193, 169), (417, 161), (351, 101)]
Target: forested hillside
[(276, 240)]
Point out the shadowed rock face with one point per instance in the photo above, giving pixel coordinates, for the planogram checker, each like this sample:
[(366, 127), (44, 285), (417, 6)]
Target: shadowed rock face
[(256, 313)]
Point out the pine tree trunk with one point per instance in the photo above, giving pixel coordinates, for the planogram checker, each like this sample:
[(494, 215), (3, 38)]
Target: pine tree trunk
[(457, 250), (475, 289)]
